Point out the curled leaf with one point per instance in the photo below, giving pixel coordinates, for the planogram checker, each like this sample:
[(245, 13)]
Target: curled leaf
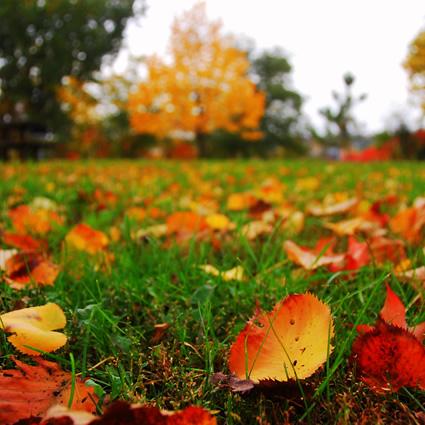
[(34, 327), (308, 259)]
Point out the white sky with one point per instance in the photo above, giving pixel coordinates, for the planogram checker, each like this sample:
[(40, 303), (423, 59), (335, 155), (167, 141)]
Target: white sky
[(323, 38)]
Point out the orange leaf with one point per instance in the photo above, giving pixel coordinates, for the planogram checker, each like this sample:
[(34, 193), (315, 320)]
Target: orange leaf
[(292, 341), (27, 219), (30, 267), (33, 327), (185, 222), (32, 390), (409, 223), (389, 357), (83, 238)]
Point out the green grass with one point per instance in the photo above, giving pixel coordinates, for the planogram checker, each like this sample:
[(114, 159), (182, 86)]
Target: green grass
[(111, 314)]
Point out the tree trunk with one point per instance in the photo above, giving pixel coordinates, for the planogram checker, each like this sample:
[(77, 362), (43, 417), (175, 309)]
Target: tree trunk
[(201, 143)]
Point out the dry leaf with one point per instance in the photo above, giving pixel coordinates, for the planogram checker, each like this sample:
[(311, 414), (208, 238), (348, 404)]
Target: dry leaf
[(292, 341)]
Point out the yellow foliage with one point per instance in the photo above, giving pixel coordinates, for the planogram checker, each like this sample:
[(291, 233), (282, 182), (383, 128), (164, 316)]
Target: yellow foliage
[(203, 88), (415, 66)]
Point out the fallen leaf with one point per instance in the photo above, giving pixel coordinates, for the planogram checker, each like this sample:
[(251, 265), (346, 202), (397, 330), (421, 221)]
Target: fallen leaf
[(6, 254), (122, 413), (254, 229), (409, 223), (319, 210), (308, 259), (22, 242), (240, 201), (34, 327), (32, 390), (25, 268), (219, 222), (389, 357), (347, 227), (26, 219), (83, 238), (235, 273), (185, 222), (292, 341)]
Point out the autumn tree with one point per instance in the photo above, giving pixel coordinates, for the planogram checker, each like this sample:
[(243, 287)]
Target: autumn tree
[(43, 41), (204, 86), (415, 67)]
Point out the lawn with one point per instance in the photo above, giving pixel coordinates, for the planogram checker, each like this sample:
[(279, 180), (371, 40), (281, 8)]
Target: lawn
[(147, 324)]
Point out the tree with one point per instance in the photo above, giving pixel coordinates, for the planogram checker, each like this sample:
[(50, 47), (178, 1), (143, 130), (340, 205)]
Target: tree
[(203, 88), (43, 41), (281, 120), (340, 122), (415, 67)]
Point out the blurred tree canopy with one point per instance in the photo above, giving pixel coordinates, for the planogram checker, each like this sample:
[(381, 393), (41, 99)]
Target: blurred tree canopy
[(205, 87), (415, 67), (43, 41), (281, 120)]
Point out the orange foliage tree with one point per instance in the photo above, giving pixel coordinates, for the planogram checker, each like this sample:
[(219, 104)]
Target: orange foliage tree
[(415, 67), (204, 86)]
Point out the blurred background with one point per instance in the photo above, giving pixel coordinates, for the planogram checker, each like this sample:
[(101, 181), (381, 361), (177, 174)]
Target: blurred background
[(213, 79)]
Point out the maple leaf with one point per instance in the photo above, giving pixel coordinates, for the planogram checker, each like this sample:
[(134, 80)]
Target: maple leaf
[(310, 259), (34, 327), (83, 238), (25, 268), (32, 390), (389, 357), (290, 342)]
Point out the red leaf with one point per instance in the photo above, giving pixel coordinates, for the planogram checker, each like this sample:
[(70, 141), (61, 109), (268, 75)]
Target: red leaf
[(122, 413), (393, 311), (23, 242), (389, 357)]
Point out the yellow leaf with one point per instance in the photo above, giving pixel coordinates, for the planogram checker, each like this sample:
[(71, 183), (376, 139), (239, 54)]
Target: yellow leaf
[(34, 327), (290, 342)]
